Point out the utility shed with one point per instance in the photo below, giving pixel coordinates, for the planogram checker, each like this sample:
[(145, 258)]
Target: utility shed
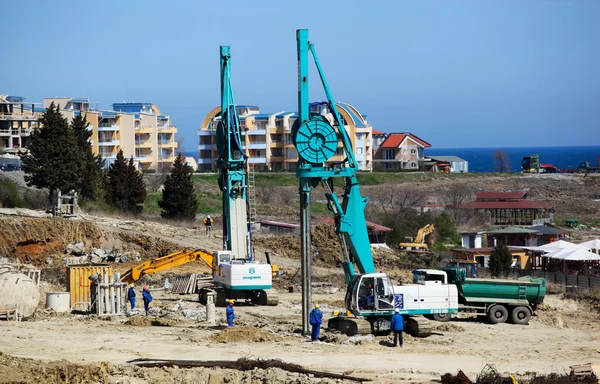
[(457, 165)]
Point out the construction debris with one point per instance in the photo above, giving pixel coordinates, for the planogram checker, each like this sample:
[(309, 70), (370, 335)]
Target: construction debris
[(244, 364), (490, 375)]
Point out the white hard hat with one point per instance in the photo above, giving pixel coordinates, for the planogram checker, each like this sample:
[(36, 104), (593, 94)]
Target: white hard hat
[(208, 216), (397, 310)]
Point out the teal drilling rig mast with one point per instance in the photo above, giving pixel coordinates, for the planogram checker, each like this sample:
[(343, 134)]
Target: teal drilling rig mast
[(317, 141), (233, 170), (238, 275)]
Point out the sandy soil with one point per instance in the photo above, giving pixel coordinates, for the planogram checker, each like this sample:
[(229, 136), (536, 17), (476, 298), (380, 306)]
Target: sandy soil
[(563, 333)]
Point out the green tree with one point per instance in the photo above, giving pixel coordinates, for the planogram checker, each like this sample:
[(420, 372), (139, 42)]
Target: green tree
[(52, 160), (125, 189), (500, 261), (91, 166), (179, 200)]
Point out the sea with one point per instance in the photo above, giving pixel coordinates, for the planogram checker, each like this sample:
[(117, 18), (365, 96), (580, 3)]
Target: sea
[(482, 159)]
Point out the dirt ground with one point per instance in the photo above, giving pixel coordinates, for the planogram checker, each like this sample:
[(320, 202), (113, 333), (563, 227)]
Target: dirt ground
[(79, 348)]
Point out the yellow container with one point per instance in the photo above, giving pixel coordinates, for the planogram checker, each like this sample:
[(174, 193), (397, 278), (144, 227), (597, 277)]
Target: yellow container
[(78, 282)]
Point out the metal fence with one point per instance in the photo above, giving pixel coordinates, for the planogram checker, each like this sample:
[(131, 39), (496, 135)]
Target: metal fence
[(572, 281)]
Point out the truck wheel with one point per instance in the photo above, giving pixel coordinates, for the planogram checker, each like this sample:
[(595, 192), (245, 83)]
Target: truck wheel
[(521, 315), (497, 314), (442, 317)]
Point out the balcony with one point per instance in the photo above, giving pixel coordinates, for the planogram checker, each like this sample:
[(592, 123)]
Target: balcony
[(167, 144), (147, 129), (167, 159), (276, 159), (144, 159), (204, 161), (259, 145), (165, 129), (207, 132), (254, 132), (257, 160), (109, 143), (143, 143), (207, 146), (108, 127)]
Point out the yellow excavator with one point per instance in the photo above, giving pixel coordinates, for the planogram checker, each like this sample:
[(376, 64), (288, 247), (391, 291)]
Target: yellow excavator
[(177, 259), (422, 243)]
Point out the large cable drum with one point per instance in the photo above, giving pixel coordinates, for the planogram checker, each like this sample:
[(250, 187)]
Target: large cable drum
[(18, 290), (316, 140)]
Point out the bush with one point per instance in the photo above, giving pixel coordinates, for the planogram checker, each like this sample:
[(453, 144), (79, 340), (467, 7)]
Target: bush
[(35, 199), (9, 194)]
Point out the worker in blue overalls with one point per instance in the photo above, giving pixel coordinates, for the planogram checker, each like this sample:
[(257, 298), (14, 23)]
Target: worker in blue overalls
[(316, 318), (147, 299), (229, 313), (131, 296)]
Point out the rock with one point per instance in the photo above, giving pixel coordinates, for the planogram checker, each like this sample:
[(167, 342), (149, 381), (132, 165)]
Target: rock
[(198, 314), (78, 249), (155, 311), (98, 252)]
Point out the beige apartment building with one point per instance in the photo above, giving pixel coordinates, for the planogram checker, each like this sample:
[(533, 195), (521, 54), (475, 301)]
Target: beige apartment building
[(268, 142), (17, 121), (139, 129)]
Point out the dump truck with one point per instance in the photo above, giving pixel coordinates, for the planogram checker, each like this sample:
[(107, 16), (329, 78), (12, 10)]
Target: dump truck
[(499, 300), (585, 167)]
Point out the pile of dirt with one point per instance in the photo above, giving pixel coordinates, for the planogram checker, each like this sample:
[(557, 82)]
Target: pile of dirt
[(244, 334), (17, 370), (140, 321), (20, 370), (32, 240), (335, 338), (148, 247), (448, 327)]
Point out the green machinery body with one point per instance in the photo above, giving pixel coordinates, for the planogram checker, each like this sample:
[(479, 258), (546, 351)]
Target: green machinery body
[(531, 164), (475, 290)]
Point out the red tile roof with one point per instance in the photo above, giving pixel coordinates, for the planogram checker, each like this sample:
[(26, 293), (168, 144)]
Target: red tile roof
[(394, 139), (523, 204), (376, 132), (500, 195)]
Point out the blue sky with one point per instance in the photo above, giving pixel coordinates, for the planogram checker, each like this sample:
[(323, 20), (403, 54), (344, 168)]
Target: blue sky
[(468, 73)]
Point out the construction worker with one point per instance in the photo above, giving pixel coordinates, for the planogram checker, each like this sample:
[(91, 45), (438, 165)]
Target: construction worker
[(147, 299), (229, 313), (131, 296), (397, 327), (208, 222), (316, 318)]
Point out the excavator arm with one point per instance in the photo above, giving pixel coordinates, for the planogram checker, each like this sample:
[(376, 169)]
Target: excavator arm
[(423, 242), (166, 262)]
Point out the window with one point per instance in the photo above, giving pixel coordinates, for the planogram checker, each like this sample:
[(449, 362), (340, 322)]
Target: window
[(413, 151), (359, 151), (413, 165), (389, 154)]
